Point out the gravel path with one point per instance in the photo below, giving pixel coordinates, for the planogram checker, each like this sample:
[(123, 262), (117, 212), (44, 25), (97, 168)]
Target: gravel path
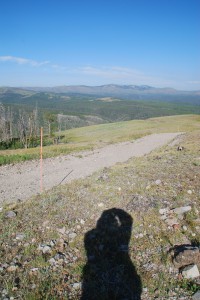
[(21, 181)]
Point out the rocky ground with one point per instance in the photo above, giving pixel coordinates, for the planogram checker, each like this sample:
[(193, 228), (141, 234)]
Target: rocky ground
[(80, 240)]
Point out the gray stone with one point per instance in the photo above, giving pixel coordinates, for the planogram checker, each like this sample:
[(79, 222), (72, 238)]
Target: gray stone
[(190, 272), (52, 261), (52, 243), (163, 211), (20, 236), (181, 210), (186, 255), (158, 181), (72, 235), (40, 247), (59, 256), (77, 285), (184, 228), (46, 249), (196, 296), (11, 214)]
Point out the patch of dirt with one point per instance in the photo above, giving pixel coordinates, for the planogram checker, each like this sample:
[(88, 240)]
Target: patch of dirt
[(21, 181)]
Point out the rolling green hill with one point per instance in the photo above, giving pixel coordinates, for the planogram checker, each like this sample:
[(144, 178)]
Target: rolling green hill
[(109, 109)]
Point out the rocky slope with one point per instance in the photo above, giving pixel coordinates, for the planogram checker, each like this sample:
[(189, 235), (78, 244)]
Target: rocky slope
[(139, 218)]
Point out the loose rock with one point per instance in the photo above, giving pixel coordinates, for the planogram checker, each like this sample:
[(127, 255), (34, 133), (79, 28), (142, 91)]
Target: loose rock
[(12, 268), (20, 236), (77, 285), (181, 210), (164, 211), (190, 272), (158, 181), (186, 255), (196, 296), (72, 235), (11, 214)]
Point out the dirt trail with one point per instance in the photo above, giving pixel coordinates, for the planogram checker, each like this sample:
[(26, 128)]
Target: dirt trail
[(21, 181)]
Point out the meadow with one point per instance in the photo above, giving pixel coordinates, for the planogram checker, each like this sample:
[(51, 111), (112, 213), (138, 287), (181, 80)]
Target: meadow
[(91, 137)]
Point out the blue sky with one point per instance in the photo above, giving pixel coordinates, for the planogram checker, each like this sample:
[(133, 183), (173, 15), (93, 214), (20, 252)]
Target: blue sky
[(64, 42)]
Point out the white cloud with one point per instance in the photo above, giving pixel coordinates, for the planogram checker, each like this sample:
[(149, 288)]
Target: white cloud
[(23, 61), (194, 82), (114, 72), (56, 74), (122, 75)]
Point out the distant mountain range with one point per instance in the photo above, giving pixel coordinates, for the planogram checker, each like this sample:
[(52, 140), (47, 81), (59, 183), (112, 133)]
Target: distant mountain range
[(101, 104), (128, 92), (113, 90)]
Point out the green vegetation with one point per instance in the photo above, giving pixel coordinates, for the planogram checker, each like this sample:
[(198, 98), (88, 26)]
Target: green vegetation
[(83, 105), (90, 137), (23, 112)]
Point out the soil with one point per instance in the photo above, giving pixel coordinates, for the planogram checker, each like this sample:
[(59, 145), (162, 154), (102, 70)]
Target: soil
[(23, 180)]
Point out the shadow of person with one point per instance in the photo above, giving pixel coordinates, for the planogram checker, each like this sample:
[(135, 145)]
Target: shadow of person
[(109, 272)]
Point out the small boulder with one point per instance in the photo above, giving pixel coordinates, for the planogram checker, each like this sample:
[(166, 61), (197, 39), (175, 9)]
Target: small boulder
[(52, 261), (59, 256), (20, 236), (11, 214), (72, 235), (190, 272), (186, 255), (196, 296), (46, 250), (184, 228), (76, 285), (181, 210)]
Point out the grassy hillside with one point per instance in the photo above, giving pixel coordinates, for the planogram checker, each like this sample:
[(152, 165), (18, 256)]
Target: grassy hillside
[(52, 243), (84, 138), (107, 108)]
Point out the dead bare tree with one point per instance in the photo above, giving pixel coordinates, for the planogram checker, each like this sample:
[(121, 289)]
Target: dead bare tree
[(27, 127), (6, 124)]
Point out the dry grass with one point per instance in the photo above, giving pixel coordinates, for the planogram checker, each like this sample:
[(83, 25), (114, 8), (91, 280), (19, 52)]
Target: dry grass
[(90, 137)]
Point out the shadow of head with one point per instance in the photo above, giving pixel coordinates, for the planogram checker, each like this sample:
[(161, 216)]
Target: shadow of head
[(109, 272)]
